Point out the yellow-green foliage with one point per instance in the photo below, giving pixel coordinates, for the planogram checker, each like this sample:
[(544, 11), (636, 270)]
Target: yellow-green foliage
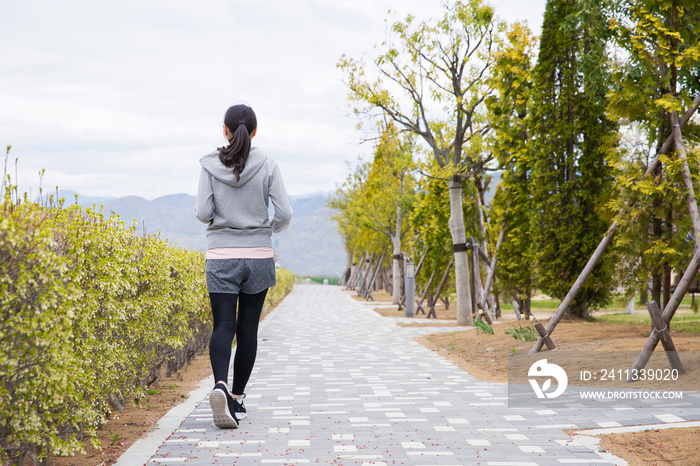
[(285, 283), (89, 313)]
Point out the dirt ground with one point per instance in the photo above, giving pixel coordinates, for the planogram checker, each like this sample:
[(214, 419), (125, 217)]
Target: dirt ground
[(485, 356), (659, 446)]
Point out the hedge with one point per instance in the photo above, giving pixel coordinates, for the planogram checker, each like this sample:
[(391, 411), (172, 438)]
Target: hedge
[(90, 312)]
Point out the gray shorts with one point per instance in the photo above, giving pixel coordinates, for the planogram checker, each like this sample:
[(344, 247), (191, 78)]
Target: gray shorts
[(235, 276)]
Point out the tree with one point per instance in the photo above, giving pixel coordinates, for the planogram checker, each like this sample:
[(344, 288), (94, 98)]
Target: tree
[(431, 83), (509, 110), (346, 201), (656, 76), (390, 196), (571, 141), (429, 222), (374, 203)]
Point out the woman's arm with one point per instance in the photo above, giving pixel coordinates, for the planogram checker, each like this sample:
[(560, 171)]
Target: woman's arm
[(280, 201), (204, 209)]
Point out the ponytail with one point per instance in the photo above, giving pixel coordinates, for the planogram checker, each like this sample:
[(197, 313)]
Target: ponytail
[(241, 122)]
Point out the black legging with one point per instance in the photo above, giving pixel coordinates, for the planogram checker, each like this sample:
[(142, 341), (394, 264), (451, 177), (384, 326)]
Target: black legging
[(223, 306)]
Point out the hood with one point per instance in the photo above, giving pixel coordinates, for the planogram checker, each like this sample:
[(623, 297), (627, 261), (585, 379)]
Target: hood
[(212, 164)]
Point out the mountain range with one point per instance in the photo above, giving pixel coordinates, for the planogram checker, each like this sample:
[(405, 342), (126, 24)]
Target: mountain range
[(310, 246)]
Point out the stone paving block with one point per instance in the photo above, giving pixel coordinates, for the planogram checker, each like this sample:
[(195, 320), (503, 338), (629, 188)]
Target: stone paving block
[(335, 383)]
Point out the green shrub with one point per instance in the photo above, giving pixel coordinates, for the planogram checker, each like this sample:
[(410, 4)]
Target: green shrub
[(89, 313), (285, 283)]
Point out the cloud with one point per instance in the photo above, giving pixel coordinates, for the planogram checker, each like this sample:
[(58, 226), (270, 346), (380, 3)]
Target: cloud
[(123, 97)]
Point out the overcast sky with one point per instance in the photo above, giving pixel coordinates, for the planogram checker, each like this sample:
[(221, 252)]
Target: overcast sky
[(118, 98)]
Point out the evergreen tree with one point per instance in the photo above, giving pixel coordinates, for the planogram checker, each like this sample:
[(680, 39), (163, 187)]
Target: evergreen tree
[(510, 210), (571, 140)]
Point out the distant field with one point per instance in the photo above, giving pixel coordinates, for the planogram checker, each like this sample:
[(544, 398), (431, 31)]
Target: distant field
[(331, 280)]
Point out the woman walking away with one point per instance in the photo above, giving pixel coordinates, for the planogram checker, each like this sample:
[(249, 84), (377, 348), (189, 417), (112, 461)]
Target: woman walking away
[(236, 185)]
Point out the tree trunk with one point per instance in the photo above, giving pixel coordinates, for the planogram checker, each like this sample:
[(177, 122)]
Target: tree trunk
[(456, 223), (581, 310), (518, 300), (656, 287), (480, 212), (345, 279), (644, 294), (666, 285), (527, 305), (396, 269), (657, 235)]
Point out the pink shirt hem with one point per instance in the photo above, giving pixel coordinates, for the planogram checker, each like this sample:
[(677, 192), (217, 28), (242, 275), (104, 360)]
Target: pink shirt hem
[(240, 253)]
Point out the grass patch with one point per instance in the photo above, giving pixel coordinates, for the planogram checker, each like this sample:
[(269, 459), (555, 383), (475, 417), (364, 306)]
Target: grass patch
[(551, 305), (688, 323), (537, 305)]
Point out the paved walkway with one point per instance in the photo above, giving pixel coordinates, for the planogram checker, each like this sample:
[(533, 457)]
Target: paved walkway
[(335, 383)]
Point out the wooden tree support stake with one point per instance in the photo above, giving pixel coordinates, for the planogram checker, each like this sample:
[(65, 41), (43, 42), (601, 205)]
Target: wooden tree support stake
[(669, 311), (544, 335), (365, 276), (357, 272), (352, 281), (662, 330), (687, 177), (474, 286), (439, 289), (368, 295), (492, 268), (516, 308), (419, 302), (422, 259), (483, 313)]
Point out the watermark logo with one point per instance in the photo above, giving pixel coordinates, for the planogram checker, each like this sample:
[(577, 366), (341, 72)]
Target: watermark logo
[(599, 380), (542, 368)]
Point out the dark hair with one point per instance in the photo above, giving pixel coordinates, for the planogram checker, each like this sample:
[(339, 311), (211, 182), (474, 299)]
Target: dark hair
[(241, 122)]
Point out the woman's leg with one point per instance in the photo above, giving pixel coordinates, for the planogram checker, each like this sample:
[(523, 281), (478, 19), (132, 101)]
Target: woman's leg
[(249, 309), (223, 307)]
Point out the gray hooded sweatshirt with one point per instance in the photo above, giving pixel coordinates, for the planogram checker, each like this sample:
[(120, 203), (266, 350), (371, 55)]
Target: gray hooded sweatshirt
[(237, 210)]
